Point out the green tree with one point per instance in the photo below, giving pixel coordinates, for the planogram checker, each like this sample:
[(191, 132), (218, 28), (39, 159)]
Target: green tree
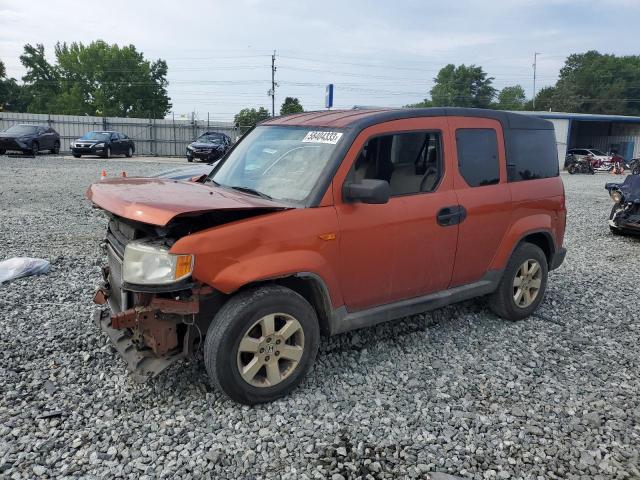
[(291, 105), (423, 104), (545, 99), (511, 98), (12, 95), (42, 81), (248, 117), (462, 86), (592, 82), (96, 79)]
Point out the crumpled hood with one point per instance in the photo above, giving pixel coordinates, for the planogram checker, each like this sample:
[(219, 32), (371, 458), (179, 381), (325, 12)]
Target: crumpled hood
[(157, 201)]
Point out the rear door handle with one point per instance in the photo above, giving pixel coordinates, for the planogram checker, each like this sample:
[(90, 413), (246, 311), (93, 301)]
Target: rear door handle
[(452, 215)]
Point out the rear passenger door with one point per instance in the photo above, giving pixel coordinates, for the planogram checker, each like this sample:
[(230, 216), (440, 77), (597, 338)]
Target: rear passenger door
[(397, 250), (480, 182)]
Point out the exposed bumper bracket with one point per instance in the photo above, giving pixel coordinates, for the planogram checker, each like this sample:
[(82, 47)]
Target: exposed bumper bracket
[(143, 365)]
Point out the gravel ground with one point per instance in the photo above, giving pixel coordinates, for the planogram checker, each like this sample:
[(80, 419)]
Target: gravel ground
[(456, 391)]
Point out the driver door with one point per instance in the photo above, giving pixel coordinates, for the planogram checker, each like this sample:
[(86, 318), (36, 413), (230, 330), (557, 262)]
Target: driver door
[(400, 249)]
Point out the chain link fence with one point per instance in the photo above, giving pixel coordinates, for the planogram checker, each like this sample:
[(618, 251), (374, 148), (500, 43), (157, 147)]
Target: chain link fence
[(159, 137)]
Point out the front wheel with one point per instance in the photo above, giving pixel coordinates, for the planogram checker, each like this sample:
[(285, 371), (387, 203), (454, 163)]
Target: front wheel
[(523, 283), (107, 153), (2, 151), (35, 148), (189, 158), (76, 155), (261, 344), (571, 169), (129, 153)]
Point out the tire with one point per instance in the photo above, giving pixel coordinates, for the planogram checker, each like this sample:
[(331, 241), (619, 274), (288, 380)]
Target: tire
[(571, 169), (2, 151), (35, 148), (189, 159), (502, 301), (56, 148), (129, 153), (240, 317), (76, 155), (107, 153)]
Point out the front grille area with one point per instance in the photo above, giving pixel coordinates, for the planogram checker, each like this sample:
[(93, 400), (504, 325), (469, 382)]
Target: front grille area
[(119, 234)]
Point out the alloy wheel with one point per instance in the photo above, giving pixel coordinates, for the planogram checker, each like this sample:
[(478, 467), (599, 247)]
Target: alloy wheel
[(527, 283), (270, 350)]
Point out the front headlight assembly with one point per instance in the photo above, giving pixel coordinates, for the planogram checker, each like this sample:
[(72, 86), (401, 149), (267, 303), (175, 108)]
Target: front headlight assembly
[(616, 195), (146, 264), (99, 145)]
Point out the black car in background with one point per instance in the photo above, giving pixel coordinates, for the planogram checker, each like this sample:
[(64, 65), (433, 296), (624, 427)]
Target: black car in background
[(209, 146), (29, 139), (103, 144)]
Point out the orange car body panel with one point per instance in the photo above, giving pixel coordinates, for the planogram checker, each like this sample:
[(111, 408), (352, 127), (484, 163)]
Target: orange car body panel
[(156, 201), (397, 250), (270, 246)]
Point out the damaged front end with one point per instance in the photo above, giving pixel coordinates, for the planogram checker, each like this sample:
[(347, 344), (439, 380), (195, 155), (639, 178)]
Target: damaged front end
[(625, 214), (151, 326)]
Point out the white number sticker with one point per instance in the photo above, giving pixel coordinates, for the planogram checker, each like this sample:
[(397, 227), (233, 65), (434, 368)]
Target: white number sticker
[(322, 137)]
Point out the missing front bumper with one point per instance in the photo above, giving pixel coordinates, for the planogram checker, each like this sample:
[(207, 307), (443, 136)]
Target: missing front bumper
[(143, 364)]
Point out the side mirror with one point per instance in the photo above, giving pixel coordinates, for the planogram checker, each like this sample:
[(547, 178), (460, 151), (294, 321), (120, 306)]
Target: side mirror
[(367, 191)]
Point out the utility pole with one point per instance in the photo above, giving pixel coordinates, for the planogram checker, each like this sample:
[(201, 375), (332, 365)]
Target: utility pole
[(273, 84), (535, 66)]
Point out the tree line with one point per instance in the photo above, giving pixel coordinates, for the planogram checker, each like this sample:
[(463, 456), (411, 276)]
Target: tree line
[(104, 79), (94, 79)]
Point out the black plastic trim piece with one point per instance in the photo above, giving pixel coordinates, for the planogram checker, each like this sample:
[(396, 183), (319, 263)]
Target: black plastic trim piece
[(558, 258), (342, 321)]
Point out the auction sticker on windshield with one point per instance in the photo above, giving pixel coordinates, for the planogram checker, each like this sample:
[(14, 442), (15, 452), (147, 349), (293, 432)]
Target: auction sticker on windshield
[(322, 137)]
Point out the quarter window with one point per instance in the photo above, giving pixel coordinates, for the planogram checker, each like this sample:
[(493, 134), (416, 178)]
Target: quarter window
[(533, 154), (410, 162), (478, 156)]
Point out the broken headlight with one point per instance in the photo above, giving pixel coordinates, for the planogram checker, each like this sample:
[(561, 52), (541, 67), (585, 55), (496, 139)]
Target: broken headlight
[(147, 264), (616, 196)]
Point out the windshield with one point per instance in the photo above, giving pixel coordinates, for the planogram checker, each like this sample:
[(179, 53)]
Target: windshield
[(22, 129), (209, 139), (281, 162), (95, 136), (598, 153)]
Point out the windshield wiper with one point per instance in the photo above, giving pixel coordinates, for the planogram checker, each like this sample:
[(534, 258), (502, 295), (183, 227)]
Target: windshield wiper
[(252, 191)]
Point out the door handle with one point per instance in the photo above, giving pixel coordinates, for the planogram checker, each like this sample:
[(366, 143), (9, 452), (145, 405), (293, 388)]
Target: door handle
[(452, 215)]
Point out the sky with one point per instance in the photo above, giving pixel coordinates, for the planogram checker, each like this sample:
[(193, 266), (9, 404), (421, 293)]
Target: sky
[(376, 53)]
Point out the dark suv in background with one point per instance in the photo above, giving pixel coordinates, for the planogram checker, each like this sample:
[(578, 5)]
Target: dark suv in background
[(29, 139), (209, 146), (102, 143)]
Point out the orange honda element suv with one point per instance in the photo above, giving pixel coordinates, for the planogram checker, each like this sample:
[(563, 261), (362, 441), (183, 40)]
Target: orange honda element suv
[(323, 222)]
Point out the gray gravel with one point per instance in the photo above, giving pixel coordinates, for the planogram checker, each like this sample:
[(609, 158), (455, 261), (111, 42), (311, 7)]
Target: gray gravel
[(457, 391)]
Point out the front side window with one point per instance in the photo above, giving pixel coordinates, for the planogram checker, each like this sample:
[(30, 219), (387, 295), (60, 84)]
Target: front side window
[(478, 156), (283, 163), (410, 162)]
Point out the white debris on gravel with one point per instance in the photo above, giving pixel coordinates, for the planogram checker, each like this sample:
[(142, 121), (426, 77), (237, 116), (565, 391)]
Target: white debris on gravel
[(457, 391)]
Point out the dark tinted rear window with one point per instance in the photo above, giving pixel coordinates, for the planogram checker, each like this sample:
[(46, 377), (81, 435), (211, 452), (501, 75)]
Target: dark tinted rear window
[(478, 156), (533, 154)]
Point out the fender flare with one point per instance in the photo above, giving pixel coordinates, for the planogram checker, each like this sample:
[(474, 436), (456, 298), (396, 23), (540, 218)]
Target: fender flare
[(540, 224)]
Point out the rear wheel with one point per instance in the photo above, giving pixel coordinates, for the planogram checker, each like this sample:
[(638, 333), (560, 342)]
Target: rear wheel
[(261, 344), (56, 148), (523, 283)]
